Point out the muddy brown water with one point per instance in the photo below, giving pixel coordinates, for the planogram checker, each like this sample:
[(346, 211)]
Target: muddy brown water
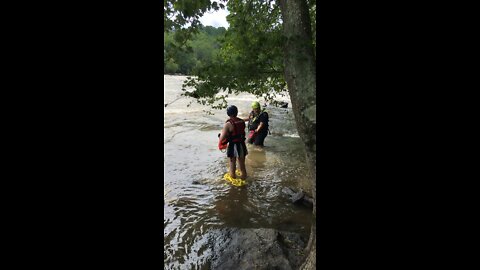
[(196, 198)]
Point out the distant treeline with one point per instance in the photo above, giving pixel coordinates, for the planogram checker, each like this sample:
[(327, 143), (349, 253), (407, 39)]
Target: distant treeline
[(204, 48)]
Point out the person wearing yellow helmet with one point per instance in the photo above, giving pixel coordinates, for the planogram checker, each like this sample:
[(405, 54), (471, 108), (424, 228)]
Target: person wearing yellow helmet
[(257, 125)]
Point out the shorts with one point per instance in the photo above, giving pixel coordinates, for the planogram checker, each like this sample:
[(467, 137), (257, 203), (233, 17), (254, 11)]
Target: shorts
[(259, 138), (237, 149)]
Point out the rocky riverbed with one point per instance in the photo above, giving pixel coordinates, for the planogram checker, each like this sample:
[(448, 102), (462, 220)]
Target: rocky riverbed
[(234, 248)]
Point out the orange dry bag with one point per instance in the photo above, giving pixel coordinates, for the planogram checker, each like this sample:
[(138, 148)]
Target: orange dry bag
[(222, 144), (252, 135)]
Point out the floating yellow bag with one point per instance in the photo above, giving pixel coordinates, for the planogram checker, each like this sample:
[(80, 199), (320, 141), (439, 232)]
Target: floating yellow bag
[(235, 181)]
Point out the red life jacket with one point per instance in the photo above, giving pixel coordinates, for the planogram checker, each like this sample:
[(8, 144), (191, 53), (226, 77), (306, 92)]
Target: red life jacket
[(238, 134)]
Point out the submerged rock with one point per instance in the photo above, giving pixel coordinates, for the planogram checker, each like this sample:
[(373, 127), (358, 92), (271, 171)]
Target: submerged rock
[(298, 197), (234, 248)]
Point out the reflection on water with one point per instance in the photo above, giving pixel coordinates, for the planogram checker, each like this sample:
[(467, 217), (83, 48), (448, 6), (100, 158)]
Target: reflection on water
[(231, 207), (256, 158), (196, 198)]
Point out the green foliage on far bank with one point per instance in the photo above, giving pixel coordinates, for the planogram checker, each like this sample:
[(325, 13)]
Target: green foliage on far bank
[(248, 57), (251, 58), (201, 51)]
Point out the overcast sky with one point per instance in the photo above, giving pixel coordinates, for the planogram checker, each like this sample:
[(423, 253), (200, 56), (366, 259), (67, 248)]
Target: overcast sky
[(215, 18)]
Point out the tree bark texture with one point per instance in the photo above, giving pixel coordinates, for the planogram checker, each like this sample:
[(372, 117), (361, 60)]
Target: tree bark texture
[(300, 75)]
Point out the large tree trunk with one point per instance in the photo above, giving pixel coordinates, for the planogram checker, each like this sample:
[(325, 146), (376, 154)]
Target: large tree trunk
[(300, 71)]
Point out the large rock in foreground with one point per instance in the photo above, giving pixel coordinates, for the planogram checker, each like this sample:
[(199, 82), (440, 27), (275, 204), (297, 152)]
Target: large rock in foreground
[(235, 248)]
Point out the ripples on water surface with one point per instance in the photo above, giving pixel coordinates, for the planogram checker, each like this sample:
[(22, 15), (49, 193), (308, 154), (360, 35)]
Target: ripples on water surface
[(198, 200)]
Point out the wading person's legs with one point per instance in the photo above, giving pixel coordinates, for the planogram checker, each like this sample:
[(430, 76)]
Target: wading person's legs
[(233, 166), (260, 138), (241, 163)]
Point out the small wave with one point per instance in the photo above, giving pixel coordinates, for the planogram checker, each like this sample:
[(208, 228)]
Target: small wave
[(248, 98), (182, 111), (291, 135)]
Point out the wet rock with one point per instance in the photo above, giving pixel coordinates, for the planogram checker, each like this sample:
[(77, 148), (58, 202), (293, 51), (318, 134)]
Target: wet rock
[(235, 248), (196, 182), (288, 191), (281, 104), (298, 197)]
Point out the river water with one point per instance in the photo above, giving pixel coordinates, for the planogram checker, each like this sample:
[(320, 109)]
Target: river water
[(196, 198)]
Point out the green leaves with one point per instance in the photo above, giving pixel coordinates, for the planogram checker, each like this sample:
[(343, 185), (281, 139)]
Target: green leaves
[(248, 57), (196, 52)]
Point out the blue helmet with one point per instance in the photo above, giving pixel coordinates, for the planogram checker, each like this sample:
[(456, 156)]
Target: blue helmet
[(232, 110)]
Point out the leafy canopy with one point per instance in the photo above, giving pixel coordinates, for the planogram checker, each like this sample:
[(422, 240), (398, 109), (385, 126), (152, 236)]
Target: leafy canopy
[(251, 55)]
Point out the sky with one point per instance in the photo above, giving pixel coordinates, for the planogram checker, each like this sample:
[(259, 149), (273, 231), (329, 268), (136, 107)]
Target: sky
[(215, 18)]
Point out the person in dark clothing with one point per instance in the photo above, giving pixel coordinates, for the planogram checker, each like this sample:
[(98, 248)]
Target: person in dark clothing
[(234, 132), (257, 125)]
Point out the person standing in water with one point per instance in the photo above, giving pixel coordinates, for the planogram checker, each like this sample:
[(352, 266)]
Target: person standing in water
[(234, 132), (257, 125)]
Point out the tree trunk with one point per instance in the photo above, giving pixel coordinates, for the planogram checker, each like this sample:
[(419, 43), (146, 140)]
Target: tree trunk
[(300, 72)]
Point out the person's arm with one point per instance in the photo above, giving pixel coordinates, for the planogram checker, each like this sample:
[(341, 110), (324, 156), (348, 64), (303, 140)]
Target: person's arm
[(225, 130), (263, 121), (260, 126), (247, 119)]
